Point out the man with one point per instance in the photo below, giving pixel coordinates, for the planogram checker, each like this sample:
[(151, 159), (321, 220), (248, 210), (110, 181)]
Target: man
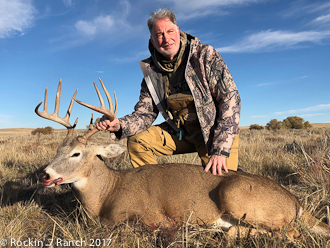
[(191, 86)]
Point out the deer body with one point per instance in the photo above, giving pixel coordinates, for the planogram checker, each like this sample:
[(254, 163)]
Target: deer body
[(168, 194), (159, 196)]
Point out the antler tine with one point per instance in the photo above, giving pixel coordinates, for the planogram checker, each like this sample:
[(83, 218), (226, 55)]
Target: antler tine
[(100, 97), (58, 98), (102, 109), (55, 117), (68, 112), (109, 97), (46, 101), (90, 132)]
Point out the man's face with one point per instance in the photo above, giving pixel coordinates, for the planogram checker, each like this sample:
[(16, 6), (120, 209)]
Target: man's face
[(165, 37)]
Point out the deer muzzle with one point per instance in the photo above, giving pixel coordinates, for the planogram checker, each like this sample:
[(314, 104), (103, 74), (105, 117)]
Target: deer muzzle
[(46, 180)]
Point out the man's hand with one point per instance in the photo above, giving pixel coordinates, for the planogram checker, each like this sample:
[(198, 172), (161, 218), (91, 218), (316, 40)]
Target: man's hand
[(106, 124), (216, 163)]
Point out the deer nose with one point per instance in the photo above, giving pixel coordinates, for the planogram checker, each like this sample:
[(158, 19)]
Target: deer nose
[(43, 177)]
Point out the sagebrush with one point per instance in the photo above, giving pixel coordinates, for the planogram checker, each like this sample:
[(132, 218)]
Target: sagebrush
[(43, 130)]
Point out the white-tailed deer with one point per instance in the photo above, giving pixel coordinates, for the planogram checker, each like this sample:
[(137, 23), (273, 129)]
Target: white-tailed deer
[(166, 194)]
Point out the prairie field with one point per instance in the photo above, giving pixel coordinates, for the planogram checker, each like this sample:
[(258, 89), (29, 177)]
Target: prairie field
[(34, 216)]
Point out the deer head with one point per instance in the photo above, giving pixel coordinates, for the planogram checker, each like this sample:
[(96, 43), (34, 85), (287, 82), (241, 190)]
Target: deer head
[(75, 155)]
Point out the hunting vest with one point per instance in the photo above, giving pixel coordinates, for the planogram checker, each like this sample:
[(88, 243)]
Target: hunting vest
[(179, 99)]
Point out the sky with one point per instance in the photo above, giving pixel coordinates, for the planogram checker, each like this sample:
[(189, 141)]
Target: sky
[(277, 51)]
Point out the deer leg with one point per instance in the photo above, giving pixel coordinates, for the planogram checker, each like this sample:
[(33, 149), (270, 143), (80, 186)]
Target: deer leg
[(225, 222), (293, 233)]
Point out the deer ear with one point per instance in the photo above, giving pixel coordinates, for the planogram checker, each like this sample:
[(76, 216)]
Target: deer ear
[(112, 150)]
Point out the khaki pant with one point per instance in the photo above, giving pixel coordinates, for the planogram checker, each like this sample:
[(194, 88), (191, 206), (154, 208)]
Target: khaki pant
[(144, 146)]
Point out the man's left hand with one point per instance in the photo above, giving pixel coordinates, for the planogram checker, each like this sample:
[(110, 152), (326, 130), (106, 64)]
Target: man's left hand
[(216, 163)]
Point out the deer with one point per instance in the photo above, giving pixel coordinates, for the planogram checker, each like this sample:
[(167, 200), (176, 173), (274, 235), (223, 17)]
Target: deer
[(167, 194)]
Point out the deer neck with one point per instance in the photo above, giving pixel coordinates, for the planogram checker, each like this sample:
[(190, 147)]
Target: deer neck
[(94, 189)]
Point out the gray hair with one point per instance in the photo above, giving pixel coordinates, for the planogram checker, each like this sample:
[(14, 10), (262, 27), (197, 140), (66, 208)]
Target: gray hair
[(161, 14)]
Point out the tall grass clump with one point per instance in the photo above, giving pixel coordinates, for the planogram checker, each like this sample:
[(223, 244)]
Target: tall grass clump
[(299, 160)]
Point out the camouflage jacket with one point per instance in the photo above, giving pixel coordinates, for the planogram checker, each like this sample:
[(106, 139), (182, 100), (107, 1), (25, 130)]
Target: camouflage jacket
[(215, 94)]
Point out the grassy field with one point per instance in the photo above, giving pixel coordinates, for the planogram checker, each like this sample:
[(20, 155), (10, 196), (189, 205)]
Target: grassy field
[(297, 159)]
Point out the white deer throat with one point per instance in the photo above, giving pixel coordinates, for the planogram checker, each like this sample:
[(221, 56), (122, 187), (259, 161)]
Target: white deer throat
[(80, 184)]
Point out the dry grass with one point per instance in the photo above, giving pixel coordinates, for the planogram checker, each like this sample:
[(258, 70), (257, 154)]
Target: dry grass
[(299, 160), (5, 132)]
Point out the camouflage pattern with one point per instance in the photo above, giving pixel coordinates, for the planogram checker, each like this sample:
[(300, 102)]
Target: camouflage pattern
[(215, 94)]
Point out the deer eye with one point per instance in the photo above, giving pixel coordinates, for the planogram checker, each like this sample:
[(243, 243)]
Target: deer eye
[(75, 155)]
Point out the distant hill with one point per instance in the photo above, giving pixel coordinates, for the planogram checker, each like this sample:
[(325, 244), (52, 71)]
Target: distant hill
[(320, 124), (21, 131), (316, 125), (26, 131)]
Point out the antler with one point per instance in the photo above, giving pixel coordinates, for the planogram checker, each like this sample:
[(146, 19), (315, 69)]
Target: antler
[(110, 113), (55, 117)]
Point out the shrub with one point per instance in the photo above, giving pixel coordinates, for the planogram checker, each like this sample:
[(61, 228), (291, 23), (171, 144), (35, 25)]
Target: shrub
[(256, 127), (307, 124), (97, 120), (48, 130), (295, 122), (286, 124), (45, 130), (94, 124), (273, 125)]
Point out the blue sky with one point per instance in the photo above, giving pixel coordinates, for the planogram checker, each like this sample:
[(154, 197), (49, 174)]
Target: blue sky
[(277, 51)]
